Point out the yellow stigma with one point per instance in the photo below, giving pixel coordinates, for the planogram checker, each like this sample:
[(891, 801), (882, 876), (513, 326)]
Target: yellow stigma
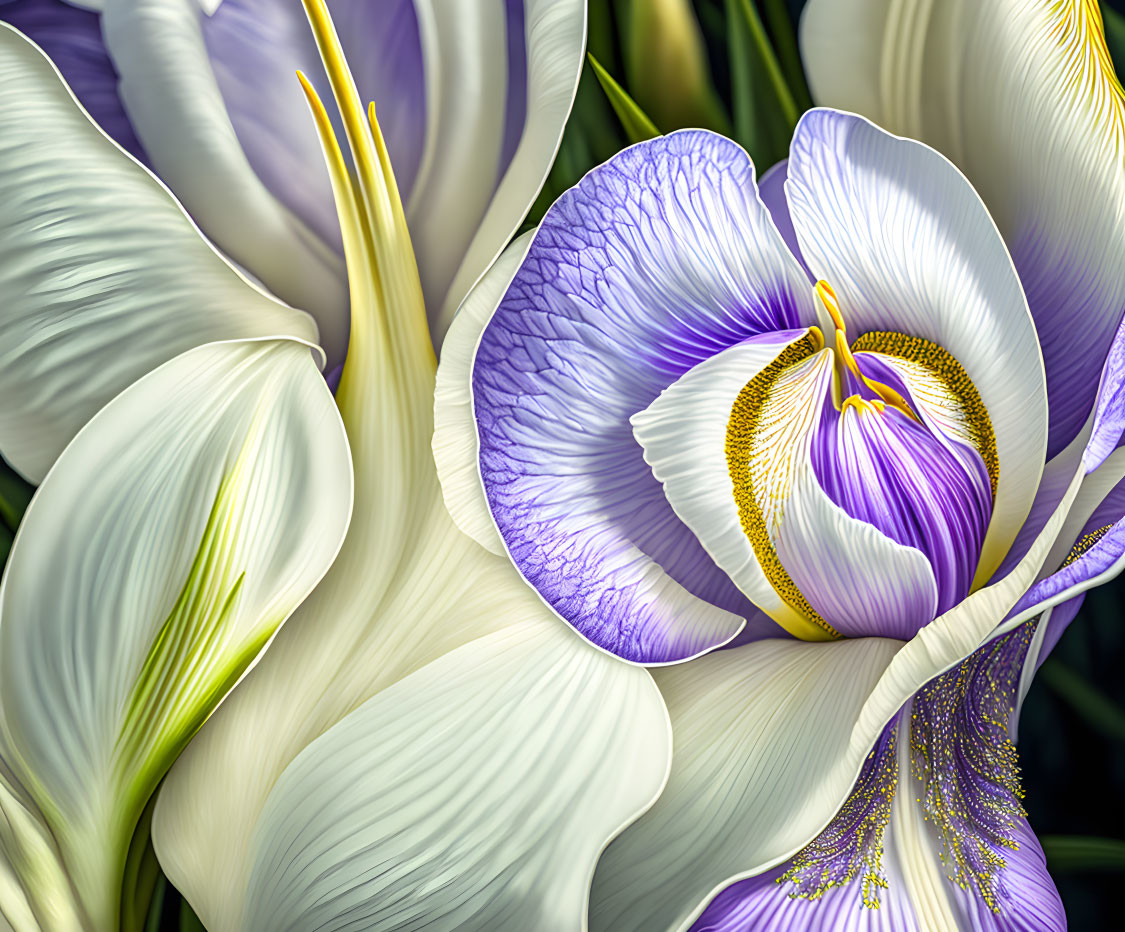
[(846, 362)]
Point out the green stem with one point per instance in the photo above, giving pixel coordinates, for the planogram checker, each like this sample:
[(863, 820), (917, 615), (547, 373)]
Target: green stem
[(785, 39), (769, 60), (1094, 707), (1083, 853)]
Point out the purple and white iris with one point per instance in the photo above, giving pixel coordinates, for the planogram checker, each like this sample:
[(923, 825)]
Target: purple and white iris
[(706, 416)]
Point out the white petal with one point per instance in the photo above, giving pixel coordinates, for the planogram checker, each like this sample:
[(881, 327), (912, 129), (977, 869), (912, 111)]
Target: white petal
[(416, 809), (103, 275), (555, 42), (1023, 98), (855, 576), (455, 441), (769, 740), (909, 247), (171, 539), (174, 103), (762, 763)]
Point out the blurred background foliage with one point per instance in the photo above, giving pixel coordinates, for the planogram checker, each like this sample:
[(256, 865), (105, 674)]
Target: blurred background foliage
[(734, 66)]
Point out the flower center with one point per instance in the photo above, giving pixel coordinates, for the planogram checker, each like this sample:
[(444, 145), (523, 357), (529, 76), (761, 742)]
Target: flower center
[(888, 431)]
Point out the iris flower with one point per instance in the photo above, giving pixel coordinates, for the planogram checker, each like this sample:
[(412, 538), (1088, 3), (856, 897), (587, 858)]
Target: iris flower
[(202, 92), (423, 710), (791, 446)]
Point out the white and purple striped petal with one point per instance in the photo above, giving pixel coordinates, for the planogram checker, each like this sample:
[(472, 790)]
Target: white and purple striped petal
[(655, 262)]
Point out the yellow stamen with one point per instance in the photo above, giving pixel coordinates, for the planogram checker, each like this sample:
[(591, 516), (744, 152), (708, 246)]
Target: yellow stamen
[(846, 362)]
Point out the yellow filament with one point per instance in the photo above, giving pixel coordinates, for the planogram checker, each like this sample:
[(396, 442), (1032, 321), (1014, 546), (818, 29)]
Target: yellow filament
[(846, 361)]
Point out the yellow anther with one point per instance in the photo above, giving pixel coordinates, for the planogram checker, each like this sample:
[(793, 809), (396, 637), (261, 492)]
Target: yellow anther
[(846, 362)]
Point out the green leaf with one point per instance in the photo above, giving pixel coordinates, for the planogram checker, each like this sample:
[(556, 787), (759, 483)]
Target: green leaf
[(189, 922), (1066, 853), (1115, 37), (638, 127), (785, 40), (765, 111), (15, 494), (1095, 708)]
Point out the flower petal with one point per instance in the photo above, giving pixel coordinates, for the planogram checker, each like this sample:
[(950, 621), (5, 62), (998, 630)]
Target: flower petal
[(175, 105), (908, 247), (72, 38), (736, 708), (173, 536), (455, 444), (554, 43), (762, 762), (362, 828), (1023, 98), (104, 276), (684, 433), (657, 260)]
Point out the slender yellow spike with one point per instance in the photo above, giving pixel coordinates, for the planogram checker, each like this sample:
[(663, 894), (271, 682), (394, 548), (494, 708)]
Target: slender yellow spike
[(846, 361)]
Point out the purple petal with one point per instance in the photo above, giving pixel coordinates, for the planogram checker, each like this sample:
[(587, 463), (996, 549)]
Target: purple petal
[(657, 260), (920, 489), (73, 40), (515, 110), (771, 189), (1109, 408)]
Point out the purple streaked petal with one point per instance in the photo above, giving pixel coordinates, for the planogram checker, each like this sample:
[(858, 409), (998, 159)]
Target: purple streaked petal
[(771, 189), (1095, 556), (655, 261), (910, 248), (894, 473), (515, 106), (72, 38), (1109, 407)]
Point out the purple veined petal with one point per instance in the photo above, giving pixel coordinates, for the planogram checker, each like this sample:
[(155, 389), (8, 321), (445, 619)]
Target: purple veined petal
[(656, 260), (771, 189), (933, 832), (909, 248), (72, 38), (1109, 407)]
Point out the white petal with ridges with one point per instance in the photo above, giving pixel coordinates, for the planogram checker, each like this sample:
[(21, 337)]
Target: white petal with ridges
[(1022, 96), (908, 247), (761, 764), (171, 539), (104, 277), (555, 35), (455, 441), (417, 809), (174, 103)]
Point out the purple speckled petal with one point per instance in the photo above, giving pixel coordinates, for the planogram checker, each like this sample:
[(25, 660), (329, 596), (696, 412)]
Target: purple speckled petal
[(933, 831), (657, 260), (73, 40)]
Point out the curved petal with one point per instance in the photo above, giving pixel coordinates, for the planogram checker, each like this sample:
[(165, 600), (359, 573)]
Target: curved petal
[(360, 830), (407, 588), (554, 46), (72, 38), (455, 445), (174, 103), (104, 276), (731, 764), (771, 189), (684, 434), (1022, 97), (908, 247), (761, 764), (174, 535), (657, 260)]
